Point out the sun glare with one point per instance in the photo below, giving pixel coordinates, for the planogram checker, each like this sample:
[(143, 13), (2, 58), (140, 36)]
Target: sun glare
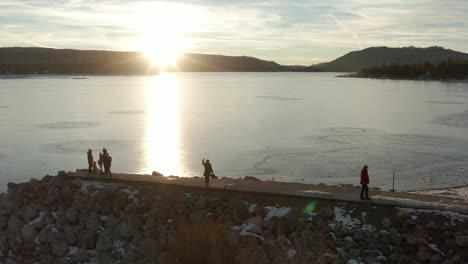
[(161, 31)]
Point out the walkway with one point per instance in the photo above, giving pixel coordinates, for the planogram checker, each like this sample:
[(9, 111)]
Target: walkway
[(334, 193)]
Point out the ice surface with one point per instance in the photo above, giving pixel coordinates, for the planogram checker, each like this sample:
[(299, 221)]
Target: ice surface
[(128, 112), (68, 125), (455, 120)]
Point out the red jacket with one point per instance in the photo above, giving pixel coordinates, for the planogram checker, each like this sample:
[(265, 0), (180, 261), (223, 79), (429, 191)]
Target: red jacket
[(364, 177)]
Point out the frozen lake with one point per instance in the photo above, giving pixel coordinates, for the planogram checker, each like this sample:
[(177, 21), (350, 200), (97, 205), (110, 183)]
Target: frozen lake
[(306, 127)]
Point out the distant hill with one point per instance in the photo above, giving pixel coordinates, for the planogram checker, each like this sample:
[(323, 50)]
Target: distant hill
[(379, 56), (68, 61)]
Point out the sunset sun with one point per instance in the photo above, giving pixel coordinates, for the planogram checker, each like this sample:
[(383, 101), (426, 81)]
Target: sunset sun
[(162, 49), (161, 36)]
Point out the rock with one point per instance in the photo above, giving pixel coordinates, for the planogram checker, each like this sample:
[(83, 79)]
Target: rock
[(352, 261), (130, 225), (358, 235), (71, 215), (80, 256), (197, 217), (424, 254), (257, 224), (29, 214), (49, 219), (59, 248), (104, 241), (15, 224), (28, 234), (14, 203), (240, 214), (62, 173), (251, 178), (157, 174), (342, 253), (432, 225), (326, 213), (92, 223), (461, 241), (15, 245), (69, 234), (328, 258), (104, 257), (386, 223), (3, 221), (4, 246), (86, 239), (436, 259), (370, 255), (354, 253), (130, 257)]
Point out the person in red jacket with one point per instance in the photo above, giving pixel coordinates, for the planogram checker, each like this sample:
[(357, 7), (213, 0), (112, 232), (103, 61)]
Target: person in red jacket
[(364, 183)]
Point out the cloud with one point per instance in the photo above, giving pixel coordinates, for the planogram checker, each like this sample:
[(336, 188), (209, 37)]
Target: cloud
[(290, 32)]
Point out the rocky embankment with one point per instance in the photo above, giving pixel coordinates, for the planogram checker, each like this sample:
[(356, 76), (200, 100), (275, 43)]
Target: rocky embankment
[(64, 220)]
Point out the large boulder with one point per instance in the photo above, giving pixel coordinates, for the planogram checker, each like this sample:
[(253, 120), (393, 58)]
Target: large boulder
[(3, 221), (104, 241), (15, 224), (424, 254), (130, 225), (29, 214), (69, 234), (462, 241), (71, 215), (28, 234), (80, 256), (59, 248)]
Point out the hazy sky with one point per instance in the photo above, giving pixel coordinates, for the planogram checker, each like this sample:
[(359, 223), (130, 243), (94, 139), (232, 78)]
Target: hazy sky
[(289, 32)]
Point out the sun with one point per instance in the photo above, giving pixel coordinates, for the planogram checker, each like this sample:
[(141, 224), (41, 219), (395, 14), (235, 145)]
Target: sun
[(163, 49), (162, 34)]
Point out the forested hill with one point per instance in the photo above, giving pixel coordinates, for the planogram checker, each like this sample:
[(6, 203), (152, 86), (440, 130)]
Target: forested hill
[(383, 56), (67, 61)]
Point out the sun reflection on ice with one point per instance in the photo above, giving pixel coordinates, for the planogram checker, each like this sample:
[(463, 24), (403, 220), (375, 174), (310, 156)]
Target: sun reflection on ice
[(162, 140)]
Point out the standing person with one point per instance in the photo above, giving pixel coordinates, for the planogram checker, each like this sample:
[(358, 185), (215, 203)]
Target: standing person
[(208, 171), (100, 162), (90, 161), (364, 183), (107, 164)]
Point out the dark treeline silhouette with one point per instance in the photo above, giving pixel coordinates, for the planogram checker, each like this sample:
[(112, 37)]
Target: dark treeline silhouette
[(356, 61), (445, 70), (67, 61)]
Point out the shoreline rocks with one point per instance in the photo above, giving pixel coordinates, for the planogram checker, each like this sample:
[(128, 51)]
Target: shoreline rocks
[(62, 220)]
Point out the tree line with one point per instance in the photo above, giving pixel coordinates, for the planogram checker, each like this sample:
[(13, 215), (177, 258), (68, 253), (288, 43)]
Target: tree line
[(449, 69)]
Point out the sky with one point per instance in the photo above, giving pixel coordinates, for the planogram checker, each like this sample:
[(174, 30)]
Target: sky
[(288, 32)]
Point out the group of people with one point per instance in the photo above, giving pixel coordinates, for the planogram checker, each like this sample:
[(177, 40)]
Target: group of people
[(104, 160)]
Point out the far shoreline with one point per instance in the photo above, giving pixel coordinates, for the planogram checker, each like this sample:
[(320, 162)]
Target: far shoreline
[(356, 75)]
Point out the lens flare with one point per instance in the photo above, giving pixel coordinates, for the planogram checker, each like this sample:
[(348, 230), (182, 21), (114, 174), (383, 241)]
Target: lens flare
[(310, 208)]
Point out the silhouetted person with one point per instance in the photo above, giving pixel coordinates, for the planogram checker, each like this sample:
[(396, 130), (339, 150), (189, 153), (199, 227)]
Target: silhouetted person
[(90, 161), (208, 171), (364, 183), (107, 164), (101, 161)]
